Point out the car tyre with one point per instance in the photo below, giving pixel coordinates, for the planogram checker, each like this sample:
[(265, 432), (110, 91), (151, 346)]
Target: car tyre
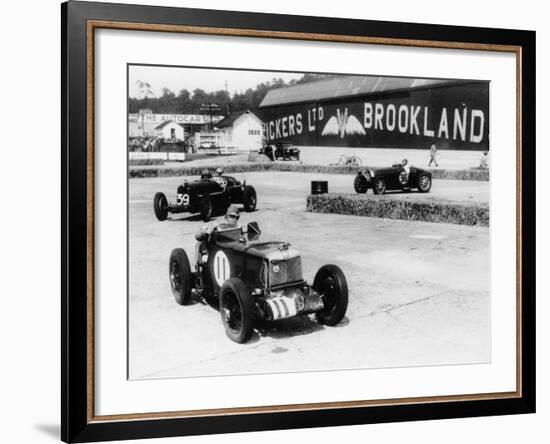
[(206, 208), (270, 153), (361, 184), (160, 204), (331, 284), (379, 186), (180, 276), (237, 310), (249, 198), (424, 183)]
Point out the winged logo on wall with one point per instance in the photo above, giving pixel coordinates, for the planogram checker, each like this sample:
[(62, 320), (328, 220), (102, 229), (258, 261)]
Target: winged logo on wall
[(342, 124)]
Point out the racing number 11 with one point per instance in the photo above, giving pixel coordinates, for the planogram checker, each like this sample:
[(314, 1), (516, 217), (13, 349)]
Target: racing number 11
[(221, 267)]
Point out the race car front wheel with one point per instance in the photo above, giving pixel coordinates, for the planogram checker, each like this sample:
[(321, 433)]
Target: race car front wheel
[(206, 208), (331, 284), (180, 276), (379, 186), (249, 198), (161, 206), (424, 183), (237, 310), (361, 184)]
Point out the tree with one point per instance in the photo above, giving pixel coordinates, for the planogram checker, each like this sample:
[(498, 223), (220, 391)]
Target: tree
[(187, 103)]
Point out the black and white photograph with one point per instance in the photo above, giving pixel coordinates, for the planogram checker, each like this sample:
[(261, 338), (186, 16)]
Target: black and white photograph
[(286, 222)]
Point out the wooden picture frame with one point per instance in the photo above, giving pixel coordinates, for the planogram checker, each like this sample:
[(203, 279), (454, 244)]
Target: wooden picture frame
[(79, 22)]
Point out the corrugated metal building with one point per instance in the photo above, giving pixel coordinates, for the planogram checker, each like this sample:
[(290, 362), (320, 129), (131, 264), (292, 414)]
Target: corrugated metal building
[(375, 111)]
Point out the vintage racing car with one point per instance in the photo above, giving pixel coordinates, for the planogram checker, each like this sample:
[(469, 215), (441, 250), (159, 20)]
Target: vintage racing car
[(281, 150), (397, 177), (207, 196), (252, 280)]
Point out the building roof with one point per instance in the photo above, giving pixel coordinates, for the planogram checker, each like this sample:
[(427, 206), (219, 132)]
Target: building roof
[(231, 118), (166, 122), (346, 86)]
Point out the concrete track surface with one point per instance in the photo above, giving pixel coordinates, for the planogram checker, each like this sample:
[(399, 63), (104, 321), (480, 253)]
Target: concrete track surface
[(419, 292)]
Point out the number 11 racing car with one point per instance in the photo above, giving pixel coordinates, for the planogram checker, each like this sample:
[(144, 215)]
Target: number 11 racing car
[(252, 280), (207, 196)]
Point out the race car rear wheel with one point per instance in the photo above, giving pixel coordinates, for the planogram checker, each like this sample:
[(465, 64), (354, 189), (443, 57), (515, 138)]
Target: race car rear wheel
[(379, 186), (270, 153), (160, 204), (180, 276), (331, 284), (424, 183), (249, 198), (206, 208), (361, 184), (237, 310)]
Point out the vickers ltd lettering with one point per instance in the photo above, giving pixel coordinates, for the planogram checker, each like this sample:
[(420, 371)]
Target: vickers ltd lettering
[(294, 124), (286, 126), (462, 124)]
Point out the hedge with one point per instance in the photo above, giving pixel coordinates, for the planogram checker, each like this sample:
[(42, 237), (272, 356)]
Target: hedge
[(407, 209), (471, 174), (144, 162)]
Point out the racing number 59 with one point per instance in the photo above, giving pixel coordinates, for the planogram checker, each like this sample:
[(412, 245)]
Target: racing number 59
[(183, 199)]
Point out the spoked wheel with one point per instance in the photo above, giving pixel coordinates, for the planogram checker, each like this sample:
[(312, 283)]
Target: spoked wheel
[(360, 184), (161, 206), (237, 310), (424, 183), (379, 186), (180, 276), (331, 284), (249, 198)]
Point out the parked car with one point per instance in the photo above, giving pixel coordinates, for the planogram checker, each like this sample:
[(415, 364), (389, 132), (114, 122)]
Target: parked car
[(207, 196), (281, 150), (397, 177), (252, 280)]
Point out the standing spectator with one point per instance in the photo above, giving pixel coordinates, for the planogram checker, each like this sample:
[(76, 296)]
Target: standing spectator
[(433, 154), (484, 161)]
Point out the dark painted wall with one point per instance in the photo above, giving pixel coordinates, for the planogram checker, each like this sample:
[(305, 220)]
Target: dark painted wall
[(456, 117)]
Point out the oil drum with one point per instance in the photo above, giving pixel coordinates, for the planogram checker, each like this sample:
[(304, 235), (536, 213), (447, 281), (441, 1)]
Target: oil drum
[(319, 186)]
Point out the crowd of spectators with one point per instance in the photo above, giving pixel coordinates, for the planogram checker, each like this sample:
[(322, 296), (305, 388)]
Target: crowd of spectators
[(148, 144), (144, 143)]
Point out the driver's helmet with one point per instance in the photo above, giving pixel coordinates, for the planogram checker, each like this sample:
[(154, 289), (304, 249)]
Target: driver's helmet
[(404, 162), (232, 211), (219, 171), (232, 215)]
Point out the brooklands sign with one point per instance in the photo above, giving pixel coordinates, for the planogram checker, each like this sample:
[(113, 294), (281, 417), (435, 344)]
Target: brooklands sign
[(415, 120), (455, 117)]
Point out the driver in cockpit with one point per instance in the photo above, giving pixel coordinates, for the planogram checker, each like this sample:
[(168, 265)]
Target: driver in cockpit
[(230, 222)]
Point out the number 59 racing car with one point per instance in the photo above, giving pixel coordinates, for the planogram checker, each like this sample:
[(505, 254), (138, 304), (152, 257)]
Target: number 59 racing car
[(207, 196), (252, 280)]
